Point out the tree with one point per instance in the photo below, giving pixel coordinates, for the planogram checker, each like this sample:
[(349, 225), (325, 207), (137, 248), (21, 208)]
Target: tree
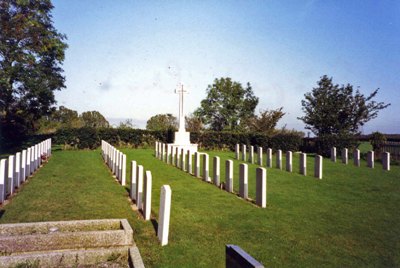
[(226, 104), (162, 122), (335, 110), (193, 123), (265, 122), (94, 119), (127, 124), (31, 52)]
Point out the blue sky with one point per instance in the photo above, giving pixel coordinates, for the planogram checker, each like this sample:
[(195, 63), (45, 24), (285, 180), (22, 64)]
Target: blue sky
[(125, 58)]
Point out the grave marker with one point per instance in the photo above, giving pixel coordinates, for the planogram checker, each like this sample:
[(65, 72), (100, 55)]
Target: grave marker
[(189, 162), (229, 176), (386, 161), (279, 159), (356, 157), (289, 161), (3, 178), (197, 164), (206, 168), (237, 151), (164, 214), (333, 154), (243, 180), (269, 158), (132, 190), (318, 167), (139, 187), (303, 164), (216, 171), (260, 155), (147, 196), (243, 152), (23, 166), (10, 178), (17, 169), (28, 163), (183, 159), (345, 156), (370, 159), (123, 175), (261, 187), (251, 157)]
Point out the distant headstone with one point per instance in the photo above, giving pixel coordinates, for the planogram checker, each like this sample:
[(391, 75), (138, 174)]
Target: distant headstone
[(386, 161), (189, 162), (345, 156), (183, 160), (147, 196), (251, 154), (10, 179), (243, 180), (23, 166), (164, 214), (237, 151), (303, 164), (177, 156), (3, 178), (289, 161), (229, 176), (279, 159), (269, 158), (356, 157), (235, 257), (123, 175), (259, 155), (333, 154), (318, 167), (261, 187), (197, 164), (32, 159), (169, 148), (370, 159), (132, 192), (139, 187), (156, 149), (206, 168), (28, 162), (216, 170), (244, 152), (17, 169)]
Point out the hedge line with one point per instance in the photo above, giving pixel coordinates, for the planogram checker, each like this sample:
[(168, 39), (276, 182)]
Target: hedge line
[(90, 138)]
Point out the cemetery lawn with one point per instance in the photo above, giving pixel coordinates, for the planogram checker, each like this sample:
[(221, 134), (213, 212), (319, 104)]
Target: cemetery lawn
[(349, 218)]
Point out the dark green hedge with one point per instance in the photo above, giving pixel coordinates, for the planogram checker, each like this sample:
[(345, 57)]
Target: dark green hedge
[(90, 138), (322, 145)]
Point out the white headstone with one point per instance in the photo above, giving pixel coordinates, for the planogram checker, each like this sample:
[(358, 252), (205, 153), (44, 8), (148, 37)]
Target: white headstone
[(260, 155), (189, 162), (17, 169), (356, 157), (243, 180), (261, 187), (206, 168), (251, 157), (10, 179), (318, 167), (3, 178), (23, 166), (269, 158), (164, 214), (279, 159), (333, 154), (345, 156), (229, 176), (28, 163), (123, 175), (289, 161), (386, 161), (370, 159), (237, 151), (183, 160), (216, 171), (244, 152), (139, 187), (303, 164), (132, 191), (197, 164), (147, 196)]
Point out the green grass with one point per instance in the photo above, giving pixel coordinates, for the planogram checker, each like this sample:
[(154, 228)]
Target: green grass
[(349, 218)]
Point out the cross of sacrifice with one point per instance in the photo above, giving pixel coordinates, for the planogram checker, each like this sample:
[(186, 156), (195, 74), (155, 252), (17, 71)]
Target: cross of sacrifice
[(181, 91)]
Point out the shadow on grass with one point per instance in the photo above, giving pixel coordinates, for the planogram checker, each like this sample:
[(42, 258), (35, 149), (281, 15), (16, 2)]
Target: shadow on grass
[(2, 213), (155, 225)]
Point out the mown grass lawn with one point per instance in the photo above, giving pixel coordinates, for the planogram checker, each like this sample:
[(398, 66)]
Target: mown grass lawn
[(349, 218)]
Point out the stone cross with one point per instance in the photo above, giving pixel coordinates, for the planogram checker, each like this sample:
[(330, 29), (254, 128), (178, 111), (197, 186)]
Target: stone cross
[(181, 91)]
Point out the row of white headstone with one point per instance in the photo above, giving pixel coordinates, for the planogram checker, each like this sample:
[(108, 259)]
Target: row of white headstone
[(17, 168), (356, 158), (115, 160), (140, 189), (289, 159), (182, 159)]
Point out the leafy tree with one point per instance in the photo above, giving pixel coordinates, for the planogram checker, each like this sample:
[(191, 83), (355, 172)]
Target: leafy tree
[(335, 110), (94, 119), (193, 123), (162, 122), (61, 118), (31, 52), (226, 104), (265, 122), (377, 142), (127, 124)]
